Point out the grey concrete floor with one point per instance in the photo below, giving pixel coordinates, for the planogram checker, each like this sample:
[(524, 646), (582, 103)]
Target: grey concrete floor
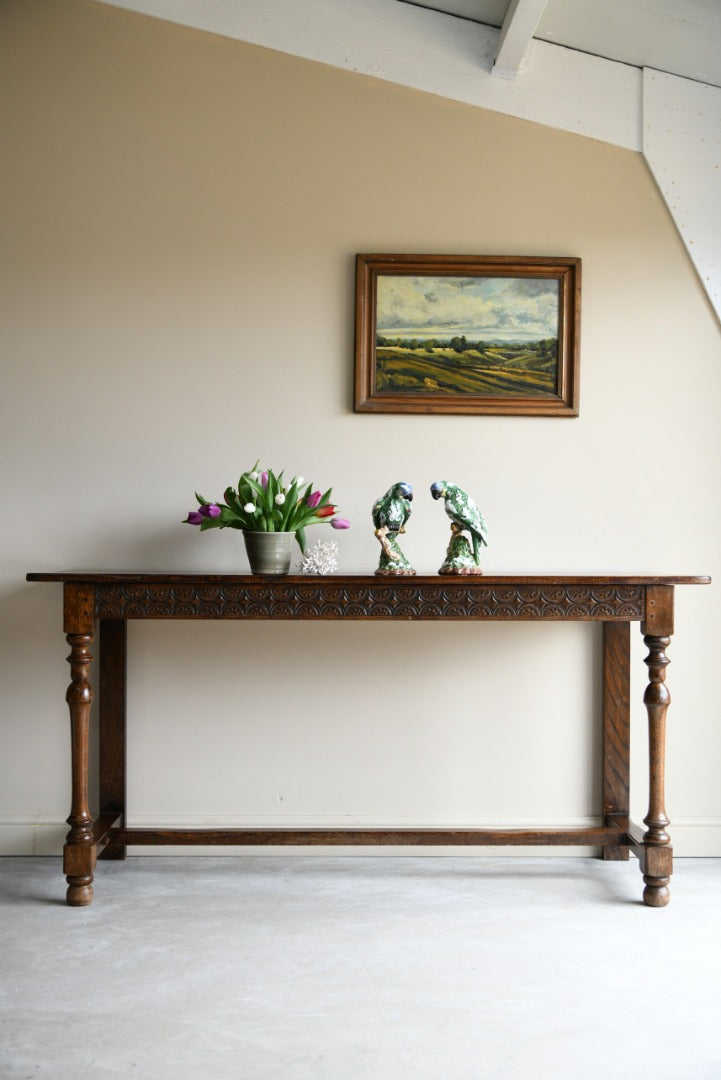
[(307, 968)]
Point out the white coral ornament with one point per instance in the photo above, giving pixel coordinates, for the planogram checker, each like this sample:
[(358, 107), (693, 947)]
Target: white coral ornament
[(322, 558)]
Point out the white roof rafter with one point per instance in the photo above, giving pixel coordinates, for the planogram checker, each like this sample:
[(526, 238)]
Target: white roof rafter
[(519, 25)]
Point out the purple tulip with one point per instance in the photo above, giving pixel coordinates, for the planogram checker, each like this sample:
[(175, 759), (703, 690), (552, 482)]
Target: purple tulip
[(264, 480), (210, 510), (312, 501), (194, 518), (340, 523)]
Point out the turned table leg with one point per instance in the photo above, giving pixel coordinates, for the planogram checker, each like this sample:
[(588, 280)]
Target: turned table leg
[(657, 863), (79, 851)]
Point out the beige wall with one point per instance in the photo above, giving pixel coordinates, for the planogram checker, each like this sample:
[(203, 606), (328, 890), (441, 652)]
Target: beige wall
[(179, 218)]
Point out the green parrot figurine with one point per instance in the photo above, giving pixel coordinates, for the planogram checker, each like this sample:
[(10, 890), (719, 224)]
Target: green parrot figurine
[(465, 517), (390, 514)]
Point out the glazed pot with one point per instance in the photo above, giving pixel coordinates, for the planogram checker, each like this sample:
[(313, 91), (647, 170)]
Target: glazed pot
[(269, 552)]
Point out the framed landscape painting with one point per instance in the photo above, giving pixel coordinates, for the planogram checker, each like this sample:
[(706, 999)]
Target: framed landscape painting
[(467, 334)]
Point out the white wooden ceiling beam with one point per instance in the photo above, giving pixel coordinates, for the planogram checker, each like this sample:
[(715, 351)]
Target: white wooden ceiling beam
[(519, 26)]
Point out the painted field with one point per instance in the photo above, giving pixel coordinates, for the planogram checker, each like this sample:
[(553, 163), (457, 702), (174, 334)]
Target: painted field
[(497, 371)]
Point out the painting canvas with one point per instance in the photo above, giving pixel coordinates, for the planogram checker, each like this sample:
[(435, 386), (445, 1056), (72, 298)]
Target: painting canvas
[(467, 334)]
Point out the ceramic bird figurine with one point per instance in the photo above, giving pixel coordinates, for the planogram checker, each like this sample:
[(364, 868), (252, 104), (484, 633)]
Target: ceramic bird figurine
[(390, 514), (465, 517)]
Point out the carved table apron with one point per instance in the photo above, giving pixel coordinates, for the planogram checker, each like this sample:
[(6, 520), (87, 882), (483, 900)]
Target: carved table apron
[(111, 599)]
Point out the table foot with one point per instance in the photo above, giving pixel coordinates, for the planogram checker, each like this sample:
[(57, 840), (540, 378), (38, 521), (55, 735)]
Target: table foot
[(657, 868), (80, 891), (656, 892), (79, 865)]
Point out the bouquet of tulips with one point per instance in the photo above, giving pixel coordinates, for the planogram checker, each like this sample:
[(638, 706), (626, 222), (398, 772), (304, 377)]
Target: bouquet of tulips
[(264, 502)]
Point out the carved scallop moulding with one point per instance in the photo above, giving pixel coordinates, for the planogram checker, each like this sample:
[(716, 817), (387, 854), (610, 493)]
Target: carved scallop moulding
[(317, 600)]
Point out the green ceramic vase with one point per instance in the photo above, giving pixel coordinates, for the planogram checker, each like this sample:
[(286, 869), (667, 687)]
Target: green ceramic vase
[(269, 552)]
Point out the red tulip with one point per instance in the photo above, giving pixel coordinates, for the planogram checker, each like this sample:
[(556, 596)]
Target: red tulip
[(325, 511)]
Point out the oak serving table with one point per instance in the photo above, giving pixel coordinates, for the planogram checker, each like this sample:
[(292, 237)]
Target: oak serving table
[(110, 600)]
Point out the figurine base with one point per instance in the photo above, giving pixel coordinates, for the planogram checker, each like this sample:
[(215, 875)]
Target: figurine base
[(392, 562), (462, 571), (459, 556)]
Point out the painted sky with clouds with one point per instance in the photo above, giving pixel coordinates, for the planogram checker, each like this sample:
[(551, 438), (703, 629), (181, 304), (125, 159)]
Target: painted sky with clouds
[(493, 309)]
